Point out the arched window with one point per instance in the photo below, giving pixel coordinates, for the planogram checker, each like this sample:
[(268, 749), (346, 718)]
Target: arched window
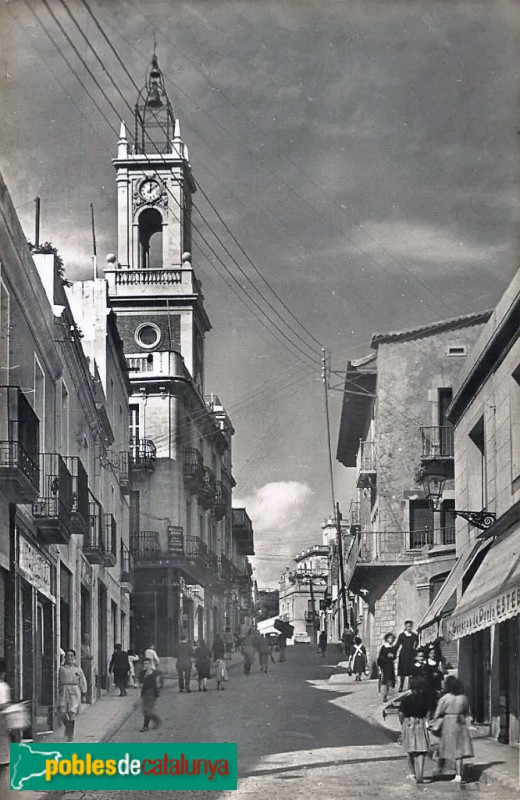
[(150, 239)]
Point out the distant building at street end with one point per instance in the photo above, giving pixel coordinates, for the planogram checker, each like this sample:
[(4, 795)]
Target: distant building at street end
[(485, 413), (302, 591), (267, 603), (394, 425)]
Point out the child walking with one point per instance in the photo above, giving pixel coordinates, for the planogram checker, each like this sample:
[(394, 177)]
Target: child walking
[(150, 690), (222, 674), (413, 715)]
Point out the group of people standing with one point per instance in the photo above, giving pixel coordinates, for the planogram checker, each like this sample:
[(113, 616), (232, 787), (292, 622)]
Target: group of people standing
[(434, 711)]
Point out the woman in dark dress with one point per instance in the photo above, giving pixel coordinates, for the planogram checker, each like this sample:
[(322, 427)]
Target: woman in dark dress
[(386, 663), (407, 642)]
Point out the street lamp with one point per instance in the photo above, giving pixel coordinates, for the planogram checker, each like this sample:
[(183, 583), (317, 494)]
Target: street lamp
[(433, 480)]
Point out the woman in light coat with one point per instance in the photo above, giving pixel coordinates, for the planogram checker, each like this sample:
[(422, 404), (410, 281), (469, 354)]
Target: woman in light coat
[(72, 685)]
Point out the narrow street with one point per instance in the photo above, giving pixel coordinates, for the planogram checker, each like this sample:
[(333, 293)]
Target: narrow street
[(294, 738)]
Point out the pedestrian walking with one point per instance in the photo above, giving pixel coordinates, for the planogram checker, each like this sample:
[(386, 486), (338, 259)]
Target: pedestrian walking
[(407, 643), (248, 651), (272, 644), (322, 643), (347, 637), (229, 641), (435, 667), (203, 665), (150, 689), (413, 714), (282, 646), (184, 654), (358, 658), (263, 653), (450, 724), (152, 655), (133, 660), (237, 641), (386, 663), (120, 667), (222, 674), (72, 686)]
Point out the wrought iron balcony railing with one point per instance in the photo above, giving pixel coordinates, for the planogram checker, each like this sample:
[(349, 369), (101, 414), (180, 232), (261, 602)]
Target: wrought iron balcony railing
[(143, 454), (53, 506), (437, 442), (19, 434)]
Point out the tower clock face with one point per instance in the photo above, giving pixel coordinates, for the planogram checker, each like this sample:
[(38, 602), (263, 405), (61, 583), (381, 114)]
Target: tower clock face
[(150, 190)]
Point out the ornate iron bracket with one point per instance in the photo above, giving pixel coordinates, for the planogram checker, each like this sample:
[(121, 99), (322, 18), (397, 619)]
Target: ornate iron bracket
[(479, 519)]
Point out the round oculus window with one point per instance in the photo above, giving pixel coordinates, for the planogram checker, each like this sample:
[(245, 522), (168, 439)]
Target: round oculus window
[(148, 335)]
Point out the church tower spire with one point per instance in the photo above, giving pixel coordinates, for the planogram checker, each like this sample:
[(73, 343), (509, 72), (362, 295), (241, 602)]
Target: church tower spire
[(157, 298), (154, 118)]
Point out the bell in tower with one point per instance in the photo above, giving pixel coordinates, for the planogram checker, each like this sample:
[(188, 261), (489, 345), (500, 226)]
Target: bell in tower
[(154, 119)]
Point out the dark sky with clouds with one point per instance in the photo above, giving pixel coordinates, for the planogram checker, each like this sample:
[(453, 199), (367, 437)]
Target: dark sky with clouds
[(363, 153)]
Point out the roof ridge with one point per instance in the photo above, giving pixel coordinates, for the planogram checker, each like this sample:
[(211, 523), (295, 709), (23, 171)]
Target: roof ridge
[(453, 322)]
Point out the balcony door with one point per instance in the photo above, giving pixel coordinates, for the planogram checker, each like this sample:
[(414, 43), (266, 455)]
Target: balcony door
[(445, 396), (421, 524)]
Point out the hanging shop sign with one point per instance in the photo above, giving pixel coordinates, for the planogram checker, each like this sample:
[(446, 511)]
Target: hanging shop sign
[(175, 540), (35, 568)]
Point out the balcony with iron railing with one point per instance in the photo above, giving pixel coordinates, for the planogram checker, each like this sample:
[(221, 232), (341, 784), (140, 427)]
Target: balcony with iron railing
[(143, 455), (190, 552), (94, 542), (437, 443), (161, 364), (126, 579), (53, 506), (19, 435), (110, 531), (366, 463), (391, 548), (193, 469), (80, 512), (208, 489)]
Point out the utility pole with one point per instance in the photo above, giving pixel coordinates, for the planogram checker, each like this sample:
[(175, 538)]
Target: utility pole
[(341, 568), (335, 505)]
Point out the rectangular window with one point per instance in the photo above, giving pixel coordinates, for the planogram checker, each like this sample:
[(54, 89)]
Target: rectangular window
[(39, 400), (477, 467), (447, 522), (134, 422), (515, 424), (5, 329), (457, 350), (134, 513), (421, 524)]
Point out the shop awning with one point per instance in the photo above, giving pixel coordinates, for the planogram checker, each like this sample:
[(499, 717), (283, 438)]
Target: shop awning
[(494, 593), (428, 626)]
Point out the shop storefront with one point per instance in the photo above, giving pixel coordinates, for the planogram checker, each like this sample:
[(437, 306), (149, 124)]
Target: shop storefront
[(486, 622), (36, 656)]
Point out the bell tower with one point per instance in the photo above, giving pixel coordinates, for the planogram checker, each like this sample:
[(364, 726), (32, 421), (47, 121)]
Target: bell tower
[(152, 286)]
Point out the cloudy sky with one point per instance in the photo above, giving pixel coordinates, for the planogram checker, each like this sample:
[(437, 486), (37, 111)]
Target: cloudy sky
[(363, 154)]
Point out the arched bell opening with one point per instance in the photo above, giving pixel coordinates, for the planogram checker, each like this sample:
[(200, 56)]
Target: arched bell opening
[(150, 239)]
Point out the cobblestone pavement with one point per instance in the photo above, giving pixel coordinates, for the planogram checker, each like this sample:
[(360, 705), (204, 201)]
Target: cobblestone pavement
[(294, 739)]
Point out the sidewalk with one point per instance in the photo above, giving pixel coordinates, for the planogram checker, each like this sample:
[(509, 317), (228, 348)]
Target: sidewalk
[(100, 721), (493, 762)]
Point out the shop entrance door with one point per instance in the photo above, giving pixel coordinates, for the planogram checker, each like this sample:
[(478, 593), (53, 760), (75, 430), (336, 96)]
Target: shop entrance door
[(43, 661)]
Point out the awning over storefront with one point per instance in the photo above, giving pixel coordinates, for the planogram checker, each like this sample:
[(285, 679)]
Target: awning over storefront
[(429, 627), (494, 593)]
